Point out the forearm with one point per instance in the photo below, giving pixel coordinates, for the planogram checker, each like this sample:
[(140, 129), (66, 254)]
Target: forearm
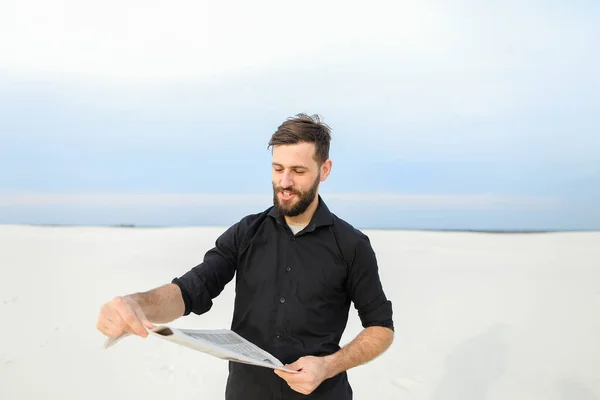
[(162, 304), (367, 345)]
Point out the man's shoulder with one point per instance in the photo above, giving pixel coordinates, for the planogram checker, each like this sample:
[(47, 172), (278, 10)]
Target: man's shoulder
[(245, 227), (351, 241), (251, 221), (347, 231)]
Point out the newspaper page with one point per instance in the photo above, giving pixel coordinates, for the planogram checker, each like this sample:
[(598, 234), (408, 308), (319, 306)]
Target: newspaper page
[(221, 343)]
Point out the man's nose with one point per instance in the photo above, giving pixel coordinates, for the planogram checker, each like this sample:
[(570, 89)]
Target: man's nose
[(286, 180)]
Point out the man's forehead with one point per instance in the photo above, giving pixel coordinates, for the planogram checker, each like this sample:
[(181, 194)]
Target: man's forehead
[(307, 148), (295, 155)]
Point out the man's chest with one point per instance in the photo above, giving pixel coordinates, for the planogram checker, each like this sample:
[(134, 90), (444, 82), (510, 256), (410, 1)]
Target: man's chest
[(308, 265)]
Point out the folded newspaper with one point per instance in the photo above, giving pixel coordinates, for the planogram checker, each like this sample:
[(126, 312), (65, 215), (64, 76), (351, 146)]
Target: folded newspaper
[(220, 343)]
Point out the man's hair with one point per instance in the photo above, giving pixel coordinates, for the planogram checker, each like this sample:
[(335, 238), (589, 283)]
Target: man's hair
[(304, 128)]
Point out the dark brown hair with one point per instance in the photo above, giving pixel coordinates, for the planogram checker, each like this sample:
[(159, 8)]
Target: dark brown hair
[(304, 128)]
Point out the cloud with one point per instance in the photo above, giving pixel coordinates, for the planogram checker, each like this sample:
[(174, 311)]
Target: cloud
[(403, 201), (433, 78), (183, 39), (505, 84)]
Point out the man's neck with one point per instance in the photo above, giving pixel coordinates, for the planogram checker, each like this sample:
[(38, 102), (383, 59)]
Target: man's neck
[(306, 216)]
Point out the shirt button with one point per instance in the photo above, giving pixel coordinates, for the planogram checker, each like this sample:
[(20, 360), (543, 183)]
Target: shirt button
[(282, 300), (288, 269), (292, 238), (278, 335)]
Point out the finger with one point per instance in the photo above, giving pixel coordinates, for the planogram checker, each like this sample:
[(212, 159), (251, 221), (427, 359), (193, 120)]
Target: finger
[(110, 314), (295, 365), (118, 324), (109, 330), (115, 320), (282, 374), (105, 330), (110, 324), (143, 319), (149, 324), (106, 314), (133, 322), (136, 325), (286, 376), (298, 365), (291, 378)]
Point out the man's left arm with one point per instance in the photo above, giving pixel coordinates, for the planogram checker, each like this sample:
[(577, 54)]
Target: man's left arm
[(375, 312), (366, 346)]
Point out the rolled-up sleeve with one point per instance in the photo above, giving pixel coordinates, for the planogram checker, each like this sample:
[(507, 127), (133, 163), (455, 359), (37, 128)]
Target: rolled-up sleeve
[(201, 284), (365, 287)]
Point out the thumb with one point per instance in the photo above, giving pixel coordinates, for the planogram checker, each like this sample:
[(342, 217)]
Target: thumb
[(142, 317), (296, 365), (148, 324)]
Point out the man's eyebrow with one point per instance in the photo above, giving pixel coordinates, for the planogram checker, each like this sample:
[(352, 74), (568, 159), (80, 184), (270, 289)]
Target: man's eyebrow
[(292, 166)]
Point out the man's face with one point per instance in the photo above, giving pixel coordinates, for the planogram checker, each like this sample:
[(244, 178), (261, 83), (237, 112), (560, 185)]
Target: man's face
[(296, 177)]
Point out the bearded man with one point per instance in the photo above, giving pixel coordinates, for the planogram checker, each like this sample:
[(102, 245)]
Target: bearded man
[(298, 267)]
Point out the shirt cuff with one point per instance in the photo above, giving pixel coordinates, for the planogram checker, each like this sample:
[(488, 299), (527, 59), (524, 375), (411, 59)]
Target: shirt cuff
[(380, 316), (195, 296)]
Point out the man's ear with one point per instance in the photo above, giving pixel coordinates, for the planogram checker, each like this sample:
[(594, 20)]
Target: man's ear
[(326, 169)]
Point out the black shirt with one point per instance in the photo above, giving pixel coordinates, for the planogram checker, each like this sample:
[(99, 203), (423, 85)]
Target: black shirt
[(293, 294)]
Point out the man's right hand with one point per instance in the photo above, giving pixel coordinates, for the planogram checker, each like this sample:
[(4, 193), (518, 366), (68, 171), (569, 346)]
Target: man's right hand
[(120, 315)]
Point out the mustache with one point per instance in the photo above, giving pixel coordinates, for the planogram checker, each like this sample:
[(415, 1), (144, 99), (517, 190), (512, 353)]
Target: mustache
[(281, 189)]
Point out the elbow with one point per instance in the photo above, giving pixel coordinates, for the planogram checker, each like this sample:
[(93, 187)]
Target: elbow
[(385, 335), (391, 336), (388, 336)]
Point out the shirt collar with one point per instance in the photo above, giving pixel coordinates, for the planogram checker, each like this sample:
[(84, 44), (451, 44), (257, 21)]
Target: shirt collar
[(321, 217)]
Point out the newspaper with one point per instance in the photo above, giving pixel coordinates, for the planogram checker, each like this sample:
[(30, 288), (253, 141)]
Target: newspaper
[(220, 343)]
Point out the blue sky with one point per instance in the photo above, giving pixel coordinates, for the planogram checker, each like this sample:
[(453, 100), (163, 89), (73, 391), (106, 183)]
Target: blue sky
[(454, 114)]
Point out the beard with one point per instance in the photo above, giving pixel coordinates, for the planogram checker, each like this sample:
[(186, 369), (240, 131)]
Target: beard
[(302, 199)]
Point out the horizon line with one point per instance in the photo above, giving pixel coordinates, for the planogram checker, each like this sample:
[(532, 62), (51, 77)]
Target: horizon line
[(410, 200), (372, 228)]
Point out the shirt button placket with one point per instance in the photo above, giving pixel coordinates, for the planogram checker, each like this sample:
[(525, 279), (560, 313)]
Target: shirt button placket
[(278, 334)]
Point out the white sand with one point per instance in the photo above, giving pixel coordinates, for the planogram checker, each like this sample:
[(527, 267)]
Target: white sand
[(478, 316)]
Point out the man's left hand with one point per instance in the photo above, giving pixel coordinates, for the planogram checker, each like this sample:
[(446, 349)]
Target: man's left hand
[(313, 371)]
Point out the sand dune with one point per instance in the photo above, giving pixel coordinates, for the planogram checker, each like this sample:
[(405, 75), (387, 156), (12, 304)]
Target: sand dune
[(478, 316)]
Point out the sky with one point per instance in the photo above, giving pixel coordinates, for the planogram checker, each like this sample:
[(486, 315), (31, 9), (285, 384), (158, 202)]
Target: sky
[(445, 115)]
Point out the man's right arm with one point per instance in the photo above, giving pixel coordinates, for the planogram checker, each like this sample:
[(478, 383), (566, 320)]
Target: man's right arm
[(161, 305), (191, 292), (134, 313)]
